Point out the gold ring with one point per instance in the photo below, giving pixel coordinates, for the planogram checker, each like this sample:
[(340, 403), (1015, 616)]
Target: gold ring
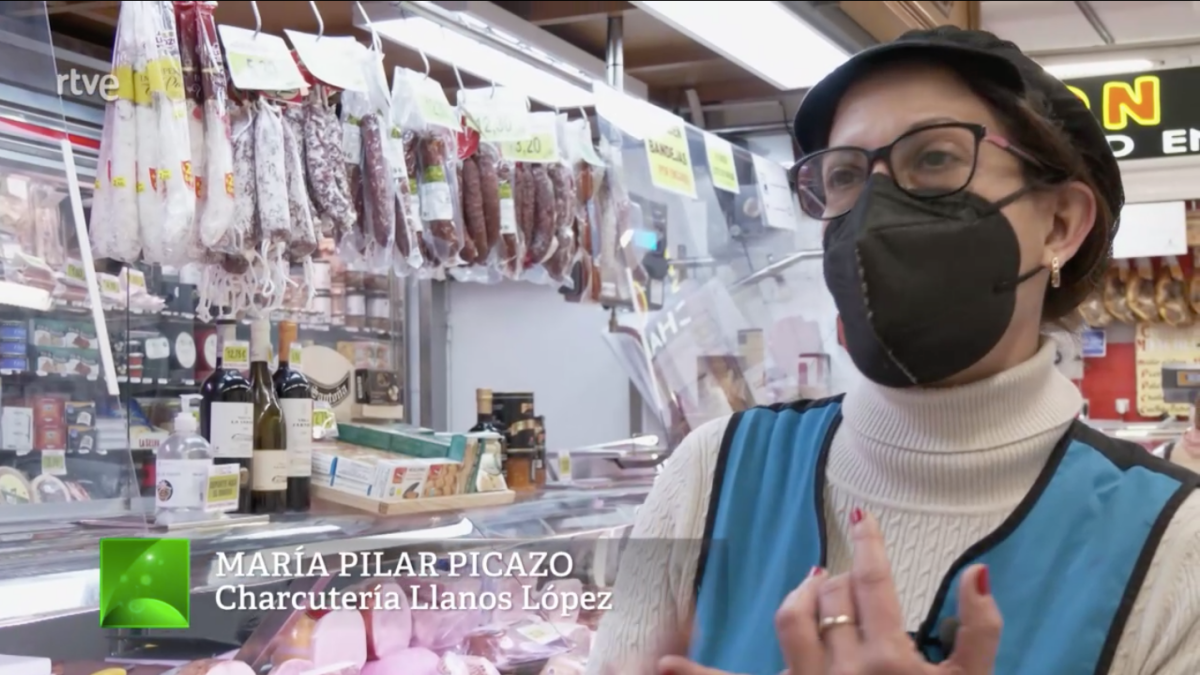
[(830, 621)]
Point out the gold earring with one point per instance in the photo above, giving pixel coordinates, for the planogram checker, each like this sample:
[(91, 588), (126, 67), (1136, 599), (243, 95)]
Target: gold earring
[(1055, 273)]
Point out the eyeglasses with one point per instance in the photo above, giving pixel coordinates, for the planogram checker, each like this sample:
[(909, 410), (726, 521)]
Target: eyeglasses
[(927, 163)]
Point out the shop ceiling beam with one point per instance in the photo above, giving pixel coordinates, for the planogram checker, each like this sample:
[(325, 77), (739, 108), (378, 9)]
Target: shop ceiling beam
[(500, 19), (556, 12), (830, 20), (695, 108), (745, 88), (1089, 14), (63, 8), (887, 19), (667, 59)]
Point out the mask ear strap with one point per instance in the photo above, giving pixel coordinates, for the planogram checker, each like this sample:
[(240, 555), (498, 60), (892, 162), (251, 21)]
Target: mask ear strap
[(1005, 286)]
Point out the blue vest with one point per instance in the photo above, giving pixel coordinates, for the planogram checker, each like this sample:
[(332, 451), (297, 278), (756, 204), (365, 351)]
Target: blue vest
[(1065, 566)]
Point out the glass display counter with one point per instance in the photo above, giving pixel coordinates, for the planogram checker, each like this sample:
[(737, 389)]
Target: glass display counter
[(52, 571), (704, 247), (64, 450)]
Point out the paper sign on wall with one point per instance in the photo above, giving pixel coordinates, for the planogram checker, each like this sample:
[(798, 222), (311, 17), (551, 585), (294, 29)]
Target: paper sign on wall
[(670, 162), (720, 163), (1154, 346), (779, 206), (1151, 230)]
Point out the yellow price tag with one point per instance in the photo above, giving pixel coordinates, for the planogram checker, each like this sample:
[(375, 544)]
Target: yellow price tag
[(564, 466), (720, 163), (541, 144), (75, 271), (110, 285), (236, 355), (432, 103), (670, 161), (54, 462), (540, 148), (221, 488), (294, 353)]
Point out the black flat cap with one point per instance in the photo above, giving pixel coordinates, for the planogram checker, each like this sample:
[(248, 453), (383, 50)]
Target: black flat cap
[(975, 54)]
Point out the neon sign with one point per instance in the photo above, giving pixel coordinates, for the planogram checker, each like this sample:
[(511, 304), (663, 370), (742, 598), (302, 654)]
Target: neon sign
[(1145, 115)]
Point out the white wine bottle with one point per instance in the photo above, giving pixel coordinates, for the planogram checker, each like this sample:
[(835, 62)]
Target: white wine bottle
[(268, 476)]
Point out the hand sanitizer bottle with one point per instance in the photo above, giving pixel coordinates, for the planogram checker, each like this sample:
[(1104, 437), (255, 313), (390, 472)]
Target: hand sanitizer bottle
[(181, 470)]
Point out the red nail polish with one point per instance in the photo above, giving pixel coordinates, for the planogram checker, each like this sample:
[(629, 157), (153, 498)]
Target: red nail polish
[(815, 572), (982, 583), (856, 516)]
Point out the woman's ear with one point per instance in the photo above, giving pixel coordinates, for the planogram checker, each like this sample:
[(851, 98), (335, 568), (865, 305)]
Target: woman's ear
[(1074, 217)]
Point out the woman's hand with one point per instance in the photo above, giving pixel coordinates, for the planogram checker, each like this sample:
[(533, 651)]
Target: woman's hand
[(851, 624)]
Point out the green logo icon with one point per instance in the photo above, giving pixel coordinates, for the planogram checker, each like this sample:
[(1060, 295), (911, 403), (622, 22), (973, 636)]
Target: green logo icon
[(144, 583)]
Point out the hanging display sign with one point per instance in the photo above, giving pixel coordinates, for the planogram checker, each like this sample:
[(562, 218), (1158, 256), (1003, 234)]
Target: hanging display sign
[(670, 162), (720, 163), (1145, 114)]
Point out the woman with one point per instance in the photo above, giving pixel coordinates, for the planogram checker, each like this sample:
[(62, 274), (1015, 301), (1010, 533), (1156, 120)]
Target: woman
[(969, 199)]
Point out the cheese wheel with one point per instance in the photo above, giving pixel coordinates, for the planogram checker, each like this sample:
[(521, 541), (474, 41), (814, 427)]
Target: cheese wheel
[(15, 488), (49, 489)]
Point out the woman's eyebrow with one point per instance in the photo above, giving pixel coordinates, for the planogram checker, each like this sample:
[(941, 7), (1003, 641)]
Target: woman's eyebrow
[(931, 120)]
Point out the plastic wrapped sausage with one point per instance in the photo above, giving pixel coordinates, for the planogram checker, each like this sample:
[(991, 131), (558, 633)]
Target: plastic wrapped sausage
[(542, 239), (525, 197), (378, 187), (215, 183), (270, 176), (325, 170), (473, 210), (303, 237), (435, 155)]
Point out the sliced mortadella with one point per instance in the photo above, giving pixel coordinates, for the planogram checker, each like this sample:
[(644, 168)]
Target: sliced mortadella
[(563, 607), (388, 630), (342, 668), (293, 667), (457, 664), (413, 661), (338, 637), (215, 667), (296, 643)]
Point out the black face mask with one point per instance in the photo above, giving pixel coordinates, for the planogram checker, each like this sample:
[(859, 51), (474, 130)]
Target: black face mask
[(925, 288)]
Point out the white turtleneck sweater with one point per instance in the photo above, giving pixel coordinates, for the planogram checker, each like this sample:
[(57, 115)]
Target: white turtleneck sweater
[(939, 469)]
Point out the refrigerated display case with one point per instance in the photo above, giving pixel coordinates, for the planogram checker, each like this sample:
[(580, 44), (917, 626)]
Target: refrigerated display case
[(49, 578), (64, 450), (704, 247)]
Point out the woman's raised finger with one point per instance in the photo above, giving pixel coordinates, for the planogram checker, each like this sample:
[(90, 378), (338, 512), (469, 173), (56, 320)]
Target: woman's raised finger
[(796, 628), (871, 573), (837, 625)]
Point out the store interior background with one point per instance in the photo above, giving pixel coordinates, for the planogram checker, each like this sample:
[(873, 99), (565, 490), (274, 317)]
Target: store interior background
[(521, 337)]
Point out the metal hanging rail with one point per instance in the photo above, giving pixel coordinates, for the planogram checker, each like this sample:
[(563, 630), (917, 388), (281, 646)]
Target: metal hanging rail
[(476, 30)]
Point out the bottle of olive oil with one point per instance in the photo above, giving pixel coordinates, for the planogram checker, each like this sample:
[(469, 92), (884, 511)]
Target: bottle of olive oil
[(268, 475)]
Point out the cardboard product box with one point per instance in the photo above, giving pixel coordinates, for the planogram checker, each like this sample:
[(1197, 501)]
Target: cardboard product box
[(405, 440), (382, 475)]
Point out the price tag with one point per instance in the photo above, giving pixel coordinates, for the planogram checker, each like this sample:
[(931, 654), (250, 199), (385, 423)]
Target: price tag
[(720, 163), (432, 103), (221, 493), (135, 280), (587, 151), (540, 146), (564, 467), (54, 462), (259, 62), (335, 61), (110, 285), (294, 353), (499, 114), (236, 355), (541, 633), (75, 271), (670, 162)]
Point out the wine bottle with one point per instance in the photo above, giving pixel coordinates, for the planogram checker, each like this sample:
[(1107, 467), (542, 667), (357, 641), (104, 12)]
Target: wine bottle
[(485, 421), (295, 397), (227, 409), (268, 475)]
